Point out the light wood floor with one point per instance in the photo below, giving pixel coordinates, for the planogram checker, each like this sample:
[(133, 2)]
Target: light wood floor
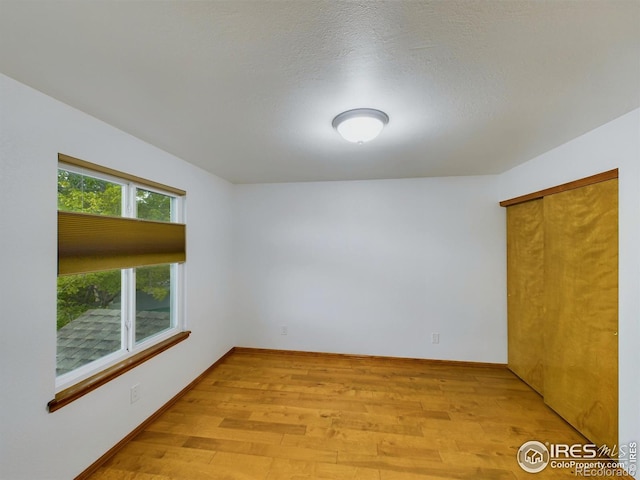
[(269, 415)]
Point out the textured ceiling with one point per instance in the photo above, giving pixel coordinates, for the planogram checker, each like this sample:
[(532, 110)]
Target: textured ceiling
[(247, 90)]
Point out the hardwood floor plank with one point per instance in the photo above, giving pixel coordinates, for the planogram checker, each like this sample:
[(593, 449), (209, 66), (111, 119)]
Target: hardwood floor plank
[(295, 453), (421, 465), (216, 432), (369, 426), (195, 408), (171, 468), (219, 445), (263, 415), (162, 438), (114, 474), (297, 470), (256, 426), (294, 416), (330, 443), (238, 466), (393, 450)]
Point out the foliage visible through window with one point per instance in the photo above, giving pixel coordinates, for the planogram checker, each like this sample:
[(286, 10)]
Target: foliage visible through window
[(153, 301), (153, 206), (80, 193), (93, 309), (79, 293)]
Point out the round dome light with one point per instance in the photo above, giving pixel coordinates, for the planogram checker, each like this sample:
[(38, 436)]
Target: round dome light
[(360, 125)]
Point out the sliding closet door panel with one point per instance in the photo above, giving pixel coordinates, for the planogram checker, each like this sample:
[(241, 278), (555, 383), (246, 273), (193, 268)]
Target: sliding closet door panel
[(581, 300), (525, 291)]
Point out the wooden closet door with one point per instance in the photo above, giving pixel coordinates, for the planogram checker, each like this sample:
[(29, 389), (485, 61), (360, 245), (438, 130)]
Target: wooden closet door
[(525, 291), (581, 301)]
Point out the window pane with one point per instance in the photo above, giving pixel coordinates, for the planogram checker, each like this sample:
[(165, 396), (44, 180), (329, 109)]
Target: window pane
[(89, 318), (153, 206), (153, 301), (84, 194)]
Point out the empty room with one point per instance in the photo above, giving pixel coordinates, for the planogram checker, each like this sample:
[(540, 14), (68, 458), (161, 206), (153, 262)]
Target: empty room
[(305, 239)]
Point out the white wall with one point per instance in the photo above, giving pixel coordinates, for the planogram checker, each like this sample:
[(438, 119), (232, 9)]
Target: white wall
[(373, 267), (35, 444), (613, 145)]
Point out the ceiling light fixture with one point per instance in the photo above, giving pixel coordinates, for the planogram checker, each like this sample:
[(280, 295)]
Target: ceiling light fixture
[(360, 125)]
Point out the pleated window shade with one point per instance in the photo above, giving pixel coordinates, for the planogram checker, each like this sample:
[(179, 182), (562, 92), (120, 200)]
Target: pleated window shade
[(89, 243)]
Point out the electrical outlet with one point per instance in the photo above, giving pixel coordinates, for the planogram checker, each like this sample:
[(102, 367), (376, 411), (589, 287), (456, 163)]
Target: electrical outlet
[(135, 393), (283, 330), (435, 338)]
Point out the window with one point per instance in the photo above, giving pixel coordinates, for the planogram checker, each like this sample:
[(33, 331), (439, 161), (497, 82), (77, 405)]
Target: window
[(121, 249)]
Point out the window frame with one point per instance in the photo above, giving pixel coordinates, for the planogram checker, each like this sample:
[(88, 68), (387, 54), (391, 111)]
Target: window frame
[(73, 384)]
